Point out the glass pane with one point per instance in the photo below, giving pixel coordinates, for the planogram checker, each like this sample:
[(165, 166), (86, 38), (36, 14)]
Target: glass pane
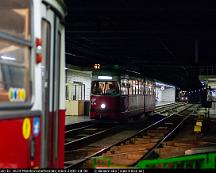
[(137, 87), (131, 87), (124, 86), (11, 53), (14, 72), (105, 88), (141, 87), (134, 87), (151, 88), (45, 68), (16, 20), (146, 88)]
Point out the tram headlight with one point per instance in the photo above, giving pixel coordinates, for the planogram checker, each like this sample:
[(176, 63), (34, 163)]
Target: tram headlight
[(103, 106)]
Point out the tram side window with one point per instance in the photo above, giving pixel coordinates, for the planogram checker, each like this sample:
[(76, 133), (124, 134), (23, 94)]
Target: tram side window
[(150, 89), (146, 88), (131, 87), (136, 87), (14, 72), (15, 78), (15, 18), (154, 92), (141, 88), (124, 87)]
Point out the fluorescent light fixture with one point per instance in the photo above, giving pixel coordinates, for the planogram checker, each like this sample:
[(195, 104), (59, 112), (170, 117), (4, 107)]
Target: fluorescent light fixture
[(157, 83), (65, 68), (133, 71), (8, 58), (105, 77), (163, 84)]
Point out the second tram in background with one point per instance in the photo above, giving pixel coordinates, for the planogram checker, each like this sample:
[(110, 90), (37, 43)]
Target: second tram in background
[(118, 94), (183, 96)]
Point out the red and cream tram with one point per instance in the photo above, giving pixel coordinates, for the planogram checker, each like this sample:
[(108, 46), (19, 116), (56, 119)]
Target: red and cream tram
[(183, 96), (31, 77), (118, 94)]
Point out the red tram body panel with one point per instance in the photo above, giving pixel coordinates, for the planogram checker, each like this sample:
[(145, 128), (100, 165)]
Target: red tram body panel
[(21, 143), (111, 107)]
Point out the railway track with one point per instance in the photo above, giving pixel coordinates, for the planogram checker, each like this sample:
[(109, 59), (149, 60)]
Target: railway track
[(125, 148), (89, 132), (76, 155), (183, 116), (170, 108), (141, 146), (80, 134), (164, 106), (78, 125)]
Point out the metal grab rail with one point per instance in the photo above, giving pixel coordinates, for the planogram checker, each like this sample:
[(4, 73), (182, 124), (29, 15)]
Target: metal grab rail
[(196, 161)]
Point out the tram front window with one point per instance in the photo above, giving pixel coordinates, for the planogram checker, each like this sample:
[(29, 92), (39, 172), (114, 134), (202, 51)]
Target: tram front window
[(105, 88)]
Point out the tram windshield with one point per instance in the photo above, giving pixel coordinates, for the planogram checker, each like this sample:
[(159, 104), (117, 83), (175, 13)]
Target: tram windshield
[(15, 76), (105, 88)]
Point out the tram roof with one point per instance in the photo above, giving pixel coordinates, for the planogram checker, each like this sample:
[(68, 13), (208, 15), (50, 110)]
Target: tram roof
[(120, 71)]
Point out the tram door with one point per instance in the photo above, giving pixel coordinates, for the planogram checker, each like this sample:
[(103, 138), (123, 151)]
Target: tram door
[(53, 154)]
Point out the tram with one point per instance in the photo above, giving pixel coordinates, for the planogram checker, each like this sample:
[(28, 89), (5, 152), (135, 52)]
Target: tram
[(32, 62), (120, 94), (183, 96)]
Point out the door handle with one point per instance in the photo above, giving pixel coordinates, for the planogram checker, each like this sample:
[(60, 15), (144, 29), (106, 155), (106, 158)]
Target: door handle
[(32, 148)]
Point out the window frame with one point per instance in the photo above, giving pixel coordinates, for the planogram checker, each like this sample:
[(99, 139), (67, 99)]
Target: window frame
[(29, 44)]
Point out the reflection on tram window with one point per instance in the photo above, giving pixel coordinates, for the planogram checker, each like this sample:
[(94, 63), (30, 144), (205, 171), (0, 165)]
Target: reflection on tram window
[(105, 88), (15, 17), (11, 53), (14, 69)]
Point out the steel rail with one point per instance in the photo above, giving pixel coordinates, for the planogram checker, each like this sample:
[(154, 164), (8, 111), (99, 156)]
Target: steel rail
[(77, 143), (119, 142)]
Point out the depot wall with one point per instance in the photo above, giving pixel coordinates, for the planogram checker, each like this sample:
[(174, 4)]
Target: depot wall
[(80, 76), (168, 95)]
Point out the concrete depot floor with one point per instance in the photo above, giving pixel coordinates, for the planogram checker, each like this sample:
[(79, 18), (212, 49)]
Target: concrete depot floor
[(72, 119)]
